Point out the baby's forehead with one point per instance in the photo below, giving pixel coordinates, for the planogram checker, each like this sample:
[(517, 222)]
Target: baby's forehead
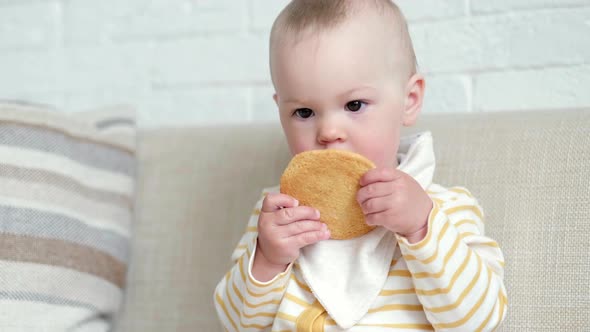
[(389, 26)]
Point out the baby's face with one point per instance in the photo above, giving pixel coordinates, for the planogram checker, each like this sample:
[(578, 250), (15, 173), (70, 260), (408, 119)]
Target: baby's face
[(339, 90)]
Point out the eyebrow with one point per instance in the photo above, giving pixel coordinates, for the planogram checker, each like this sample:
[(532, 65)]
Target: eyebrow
[(292, 101), (345, 93), (361, 88)]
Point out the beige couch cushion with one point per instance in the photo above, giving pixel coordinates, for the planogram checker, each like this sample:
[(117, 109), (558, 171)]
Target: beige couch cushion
[(530, 171)]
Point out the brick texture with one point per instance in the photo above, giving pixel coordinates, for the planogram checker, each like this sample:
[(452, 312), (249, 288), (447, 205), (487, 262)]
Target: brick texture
[(206, 61)]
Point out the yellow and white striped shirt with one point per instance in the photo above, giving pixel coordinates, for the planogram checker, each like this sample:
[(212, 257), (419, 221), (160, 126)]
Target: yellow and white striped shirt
[(450, 281)]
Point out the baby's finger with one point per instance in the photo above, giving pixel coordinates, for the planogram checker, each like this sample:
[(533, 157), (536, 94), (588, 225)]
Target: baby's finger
[(380, 175), (302, 226), (288, 215), (276, 201), (304, 239), (376, 205), (374, 190)]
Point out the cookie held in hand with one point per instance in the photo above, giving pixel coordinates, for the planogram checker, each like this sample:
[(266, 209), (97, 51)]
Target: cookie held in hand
[(328, 180)]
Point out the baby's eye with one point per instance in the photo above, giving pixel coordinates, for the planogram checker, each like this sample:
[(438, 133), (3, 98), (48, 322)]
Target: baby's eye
[(303, 113), (355, 105)]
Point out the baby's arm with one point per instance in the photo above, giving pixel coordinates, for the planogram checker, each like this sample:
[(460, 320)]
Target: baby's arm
[(457, 271), (242, 303)]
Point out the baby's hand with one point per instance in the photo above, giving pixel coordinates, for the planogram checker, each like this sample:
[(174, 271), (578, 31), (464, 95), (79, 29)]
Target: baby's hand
[(284, 228), (394, 200)]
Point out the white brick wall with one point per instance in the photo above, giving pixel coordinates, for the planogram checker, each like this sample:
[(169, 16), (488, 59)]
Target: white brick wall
[(205, 61)]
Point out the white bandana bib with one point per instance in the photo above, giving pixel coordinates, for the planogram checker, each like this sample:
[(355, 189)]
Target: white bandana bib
[(347, 275)]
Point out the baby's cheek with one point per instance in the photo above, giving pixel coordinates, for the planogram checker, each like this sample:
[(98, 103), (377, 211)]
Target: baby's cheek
[(382, 154), (379, 159), (300, 140), (299, 145)]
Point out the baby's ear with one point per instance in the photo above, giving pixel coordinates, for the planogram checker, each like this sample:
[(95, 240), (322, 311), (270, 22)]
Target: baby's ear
[(414, 98)]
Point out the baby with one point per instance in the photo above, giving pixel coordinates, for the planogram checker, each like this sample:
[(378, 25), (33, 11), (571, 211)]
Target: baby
[(344, 73)]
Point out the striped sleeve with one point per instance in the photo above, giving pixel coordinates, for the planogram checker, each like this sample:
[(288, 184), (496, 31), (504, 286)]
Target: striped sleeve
[(242, 302), (457, 271)]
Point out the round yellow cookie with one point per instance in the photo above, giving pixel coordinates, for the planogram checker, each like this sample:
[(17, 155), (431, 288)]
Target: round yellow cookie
[(328, 180)]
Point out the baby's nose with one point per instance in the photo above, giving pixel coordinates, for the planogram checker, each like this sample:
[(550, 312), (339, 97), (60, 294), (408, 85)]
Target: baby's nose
[(329, 133)]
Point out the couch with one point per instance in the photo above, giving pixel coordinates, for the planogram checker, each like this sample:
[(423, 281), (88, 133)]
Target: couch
[(529, 170)]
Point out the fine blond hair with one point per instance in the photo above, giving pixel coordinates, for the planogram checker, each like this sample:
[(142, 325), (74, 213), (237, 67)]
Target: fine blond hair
[(316, 15)]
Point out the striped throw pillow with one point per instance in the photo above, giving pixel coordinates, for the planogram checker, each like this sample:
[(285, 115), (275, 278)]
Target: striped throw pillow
[(66, 204)]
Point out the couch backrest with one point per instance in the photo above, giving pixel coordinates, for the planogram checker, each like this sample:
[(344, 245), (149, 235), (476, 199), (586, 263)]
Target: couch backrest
[(530, 171)]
